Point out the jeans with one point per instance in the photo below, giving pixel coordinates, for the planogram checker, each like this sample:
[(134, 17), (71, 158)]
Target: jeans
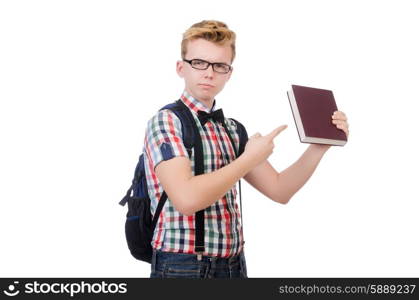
[(183, 265)]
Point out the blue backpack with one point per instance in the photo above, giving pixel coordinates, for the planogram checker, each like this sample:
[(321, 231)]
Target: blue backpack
[(140, 224)]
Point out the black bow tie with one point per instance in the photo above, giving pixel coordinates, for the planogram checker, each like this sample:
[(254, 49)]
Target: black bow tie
[(217, 115)]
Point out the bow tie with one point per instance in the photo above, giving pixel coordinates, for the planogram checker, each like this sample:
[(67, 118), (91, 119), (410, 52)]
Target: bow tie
[(217, 115)]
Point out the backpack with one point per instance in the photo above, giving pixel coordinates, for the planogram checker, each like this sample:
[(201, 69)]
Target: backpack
[(139, 223)]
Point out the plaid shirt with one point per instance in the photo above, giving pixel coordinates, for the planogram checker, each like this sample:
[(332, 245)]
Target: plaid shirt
[(174, 231)]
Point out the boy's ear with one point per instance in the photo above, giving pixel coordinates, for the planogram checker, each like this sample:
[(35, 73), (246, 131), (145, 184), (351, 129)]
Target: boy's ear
[(179, 68)]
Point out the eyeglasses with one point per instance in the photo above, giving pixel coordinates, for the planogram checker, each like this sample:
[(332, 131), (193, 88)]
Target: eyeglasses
[(201, 64)]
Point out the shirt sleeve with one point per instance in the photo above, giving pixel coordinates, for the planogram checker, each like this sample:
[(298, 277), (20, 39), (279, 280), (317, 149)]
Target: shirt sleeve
[(163, 138)]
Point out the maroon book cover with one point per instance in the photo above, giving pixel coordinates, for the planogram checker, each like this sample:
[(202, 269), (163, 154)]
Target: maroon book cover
[(312, 109)]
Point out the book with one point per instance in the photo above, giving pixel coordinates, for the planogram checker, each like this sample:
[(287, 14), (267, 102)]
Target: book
[(312, 109)]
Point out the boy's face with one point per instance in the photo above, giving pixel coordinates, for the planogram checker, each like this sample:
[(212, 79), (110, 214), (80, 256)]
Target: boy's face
[(194, 79)]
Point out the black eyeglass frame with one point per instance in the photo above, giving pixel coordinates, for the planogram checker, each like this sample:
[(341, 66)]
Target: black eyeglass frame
[(208, 64)]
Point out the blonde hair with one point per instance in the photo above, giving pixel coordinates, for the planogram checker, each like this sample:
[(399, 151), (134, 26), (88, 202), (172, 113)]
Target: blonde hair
[(212, 31)]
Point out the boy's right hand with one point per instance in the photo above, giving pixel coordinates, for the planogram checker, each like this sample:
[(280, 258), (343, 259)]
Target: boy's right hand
[(259, 148)]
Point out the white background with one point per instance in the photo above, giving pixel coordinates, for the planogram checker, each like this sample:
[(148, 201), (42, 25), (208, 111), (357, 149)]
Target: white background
[(80, 79)]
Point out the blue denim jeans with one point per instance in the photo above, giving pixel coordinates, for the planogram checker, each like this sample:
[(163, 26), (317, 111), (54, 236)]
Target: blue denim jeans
[(182, 265)]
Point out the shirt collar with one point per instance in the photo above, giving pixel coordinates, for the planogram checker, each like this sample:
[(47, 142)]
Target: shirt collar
[(195, 104)]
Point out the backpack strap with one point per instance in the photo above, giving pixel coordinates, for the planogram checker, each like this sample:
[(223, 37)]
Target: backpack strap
[(191, 138), (241, 131), (188, 122)]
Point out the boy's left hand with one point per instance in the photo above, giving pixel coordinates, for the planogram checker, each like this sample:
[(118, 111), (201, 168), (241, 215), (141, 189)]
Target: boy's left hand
[(339, 118)]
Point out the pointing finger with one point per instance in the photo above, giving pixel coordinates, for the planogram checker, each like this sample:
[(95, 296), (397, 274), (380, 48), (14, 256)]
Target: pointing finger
[(276, 131)]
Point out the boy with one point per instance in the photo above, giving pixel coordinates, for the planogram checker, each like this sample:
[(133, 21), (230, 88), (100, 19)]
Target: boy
[(208, 51)]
